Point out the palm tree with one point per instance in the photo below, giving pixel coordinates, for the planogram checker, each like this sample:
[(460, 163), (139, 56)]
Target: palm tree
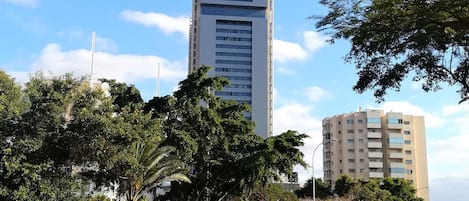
[(155, 166)]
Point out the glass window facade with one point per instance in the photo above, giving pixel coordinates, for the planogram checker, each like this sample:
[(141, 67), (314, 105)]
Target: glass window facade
[(374, 120), (397, 170), (233, 10), (396, 141)]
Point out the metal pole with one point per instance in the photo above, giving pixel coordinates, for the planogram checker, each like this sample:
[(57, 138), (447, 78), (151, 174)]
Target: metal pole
[(312, 166), (92, 58)]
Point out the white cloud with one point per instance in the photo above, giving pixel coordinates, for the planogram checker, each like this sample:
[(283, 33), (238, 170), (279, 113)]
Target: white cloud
[(126, 68), (454, 109), (449, 154), (314, 40), (298, 117), (105, 44), (431, 120), (25, 3), (285, 70), (287, 51), (165, 23), (315, 93)]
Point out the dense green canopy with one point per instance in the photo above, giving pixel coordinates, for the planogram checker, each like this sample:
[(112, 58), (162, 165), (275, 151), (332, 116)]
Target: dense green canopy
[(393, 39)]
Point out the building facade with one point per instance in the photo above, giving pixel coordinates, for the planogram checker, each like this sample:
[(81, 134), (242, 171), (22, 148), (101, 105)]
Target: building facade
[(373, 144), (234, 37)]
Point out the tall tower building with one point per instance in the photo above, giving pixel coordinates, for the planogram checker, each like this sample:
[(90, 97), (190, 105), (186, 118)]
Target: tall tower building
[(372, 144), (234, 37)]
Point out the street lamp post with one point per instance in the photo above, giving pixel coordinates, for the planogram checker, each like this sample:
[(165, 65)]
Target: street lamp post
[(312, 167)]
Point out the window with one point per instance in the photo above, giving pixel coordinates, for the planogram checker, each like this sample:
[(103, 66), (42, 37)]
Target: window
[(349, 121), (234, 31), (406, 132), (408, 152), (360, 150), (360, 121), (236, 70), (360, 140), (362, 170), (238, 78), (350, 150), (231, 38), (351, 170), (362, 160), (394, 121), (397, 170), (227, 93), (407, 142), (409, 171), (406, 122), (374, 120), (360, 130), (408, 162), (232, 10), (351, 160), (233, 46), (396, 141), (233, 54), (219, 61), (350, 141), (349, 131)]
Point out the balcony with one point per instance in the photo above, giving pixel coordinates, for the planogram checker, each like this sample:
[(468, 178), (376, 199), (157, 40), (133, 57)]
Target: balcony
[(398, 175), (396, 145), (375, 144), (394, 126), (396, 155), (396, 165), (374, 135), (376, 175), (375, 154), (375, 164), (373, 125)]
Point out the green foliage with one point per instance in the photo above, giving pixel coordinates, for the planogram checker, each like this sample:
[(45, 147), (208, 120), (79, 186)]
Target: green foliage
[(226, 157), (323, 190), (344, 184), (401, 189), (10, 98), (33, 166), (369, 190), (272, 192), (154, 165), (392, 189), (59, 134), (99, 198), (393, 39)]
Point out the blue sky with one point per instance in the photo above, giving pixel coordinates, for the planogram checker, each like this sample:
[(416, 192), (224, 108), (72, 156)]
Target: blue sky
[(311, 79)]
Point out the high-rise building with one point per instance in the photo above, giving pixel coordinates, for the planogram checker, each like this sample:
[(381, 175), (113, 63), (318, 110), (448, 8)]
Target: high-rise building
[(373, 144), (234, 37)]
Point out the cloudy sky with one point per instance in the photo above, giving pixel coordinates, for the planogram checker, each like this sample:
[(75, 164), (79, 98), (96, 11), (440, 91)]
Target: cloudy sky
[(311, 79)]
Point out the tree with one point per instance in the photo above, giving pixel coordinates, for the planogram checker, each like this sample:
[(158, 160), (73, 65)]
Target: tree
[(368, 190), (323, 190), (154, 166), (227, 159), (393, 39), (272, 192), (401, 189), (59, 133), (32, 167), (344, 185)]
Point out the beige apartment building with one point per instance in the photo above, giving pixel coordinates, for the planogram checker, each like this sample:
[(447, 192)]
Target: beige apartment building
[(373, 144)]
